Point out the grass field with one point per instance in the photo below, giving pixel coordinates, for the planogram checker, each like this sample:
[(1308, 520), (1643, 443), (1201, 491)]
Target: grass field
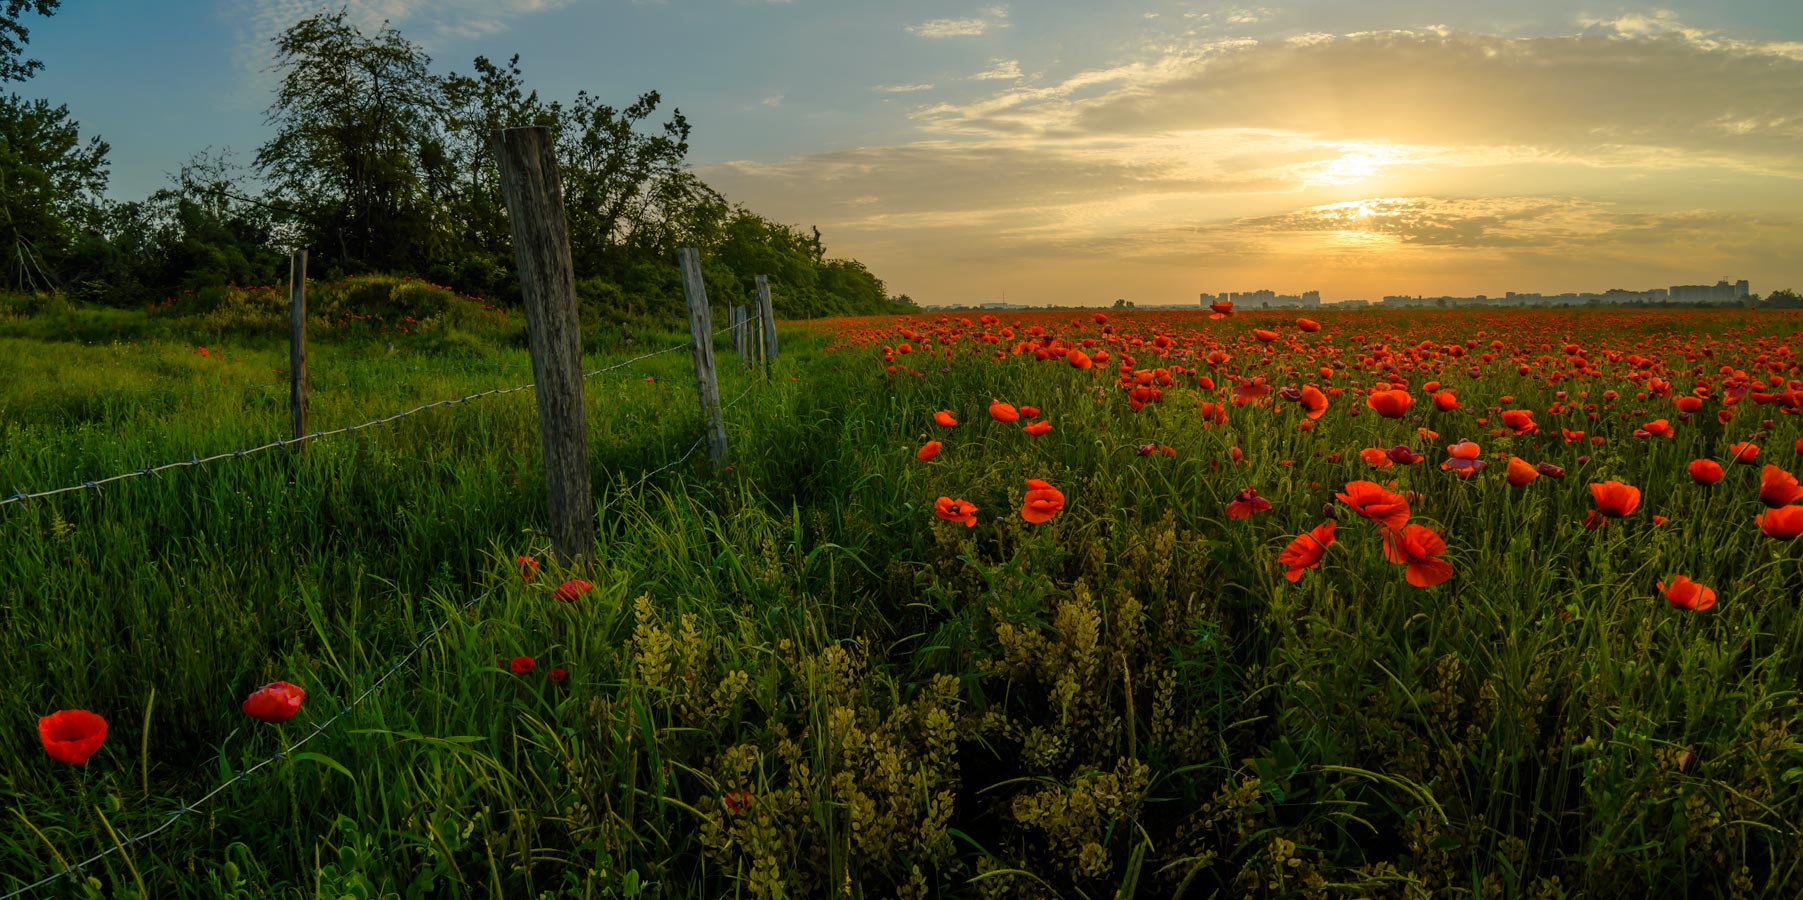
[(798, 681)]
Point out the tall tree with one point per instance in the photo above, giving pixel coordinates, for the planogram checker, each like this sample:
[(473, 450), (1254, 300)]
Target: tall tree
[(474, 106), (356, 120), (50, 185)]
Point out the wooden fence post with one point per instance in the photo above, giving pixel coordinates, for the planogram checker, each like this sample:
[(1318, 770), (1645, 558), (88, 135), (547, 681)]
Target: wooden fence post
[(297, 347), (701, 343), (541, 249), (768, 317), (743, 313)]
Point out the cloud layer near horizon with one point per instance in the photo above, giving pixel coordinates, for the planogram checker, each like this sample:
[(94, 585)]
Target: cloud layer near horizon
[(1634, 151)]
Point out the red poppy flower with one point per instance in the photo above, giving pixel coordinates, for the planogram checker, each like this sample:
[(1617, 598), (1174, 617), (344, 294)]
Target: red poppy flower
[(1520, 472), (521, 665), (1220, 309), (556, 675), (1778, 487), (1370, 500), (1390, 404), (1446, 401), (1245, 503), (1314, 403), (1705, 471), (1029, 412), (528, 567), (1418, 548), (736, 801), (1037, 428), (928, 451), (1658, 428), (1571, 437), (571, 589), (1306, 551), (1078, 359), (1521, 421), (1309, 325), (955, 511), (72, 735), (1002, 412), (944, 418), (1743, 452), (1614, 499), (1403, 455), (276, 701), (1687, 594), (1041, 503), (1377, 457), (1783, 523), (1264, 335)]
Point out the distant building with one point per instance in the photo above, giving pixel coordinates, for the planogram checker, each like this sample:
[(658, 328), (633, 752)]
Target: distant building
[(1266, 299), (1720, 292)]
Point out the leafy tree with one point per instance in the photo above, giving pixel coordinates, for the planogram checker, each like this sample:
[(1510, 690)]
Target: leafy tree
[(14, 36), (355, 117), (474, 107), (50, 185)]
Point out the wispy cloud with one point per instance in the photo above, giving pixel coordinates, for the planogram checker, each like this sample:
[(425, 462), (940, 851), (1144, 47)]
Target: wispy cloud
[(999, 70), (773, 101), (431, 23), (902, 88), (991, 18)]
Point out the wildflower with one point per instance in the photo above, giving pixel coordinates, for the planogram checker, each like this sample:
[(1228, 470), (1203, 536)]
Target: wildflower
[(1614, 499), (944, 418), (955, 511), (1419, 548), (1245, 503), (521, 665), (1377, 457), (1314, 403), (1029, 412), (1002, 412), (1306, 551), (1550, 470), (1778, 487), (1220, 309), (1520, 473), (72, 735), (276, 701), (928, 451), (1370, 500), (1264, 336), (1743, 452), (1783, 523), (1037, 428), (1687, 594), (1705, 472), (736, 801), (1401, 454), (556, 675), (1390, 404), (571, 589), (1309, 325), (1041, 503), (1521, 421), (1446, 401), (528, 567)]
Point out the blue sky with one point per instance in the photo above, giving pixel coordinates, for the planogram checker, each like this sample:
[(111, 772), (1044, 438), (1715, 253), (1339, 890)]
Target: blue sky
[(1075, 151)]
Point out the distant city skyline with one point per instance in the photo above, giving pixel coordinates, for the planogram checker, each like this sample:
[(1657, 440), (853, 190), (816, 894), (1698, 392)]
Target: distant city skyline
[(1723, 291), (1064, 150)]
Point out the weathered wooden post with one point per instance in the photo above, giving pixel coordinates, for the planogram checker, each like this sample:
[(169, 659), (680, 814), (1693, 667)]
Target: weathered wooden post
[(701, 343), (541, 249), (297, 347), (743, 313), (769, 319)]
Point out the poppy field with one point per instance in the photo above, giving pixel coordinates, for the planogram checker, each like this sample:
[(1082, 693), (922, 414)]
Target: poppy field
[(1061, 604)]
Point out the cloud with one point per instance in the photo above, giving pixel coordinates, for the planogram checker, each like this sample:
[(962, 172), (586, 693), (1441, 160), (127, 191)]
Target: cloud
[(773, 101), (902, 88), (999, 70), (991, 18), (428, 22)]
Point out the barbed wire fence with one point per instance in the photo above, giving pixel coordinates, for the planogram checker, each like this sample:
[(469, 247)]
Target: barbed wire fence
[(191, 807)]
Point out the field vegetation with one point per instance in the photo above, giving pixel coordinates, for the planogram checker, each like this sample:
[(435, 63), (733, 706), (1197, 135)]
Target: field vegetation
[(812, 676)]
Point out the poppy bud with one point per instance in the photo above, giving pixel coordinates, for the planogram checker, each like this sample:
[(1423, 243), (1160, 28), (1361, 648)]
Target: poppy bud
[(1330, 511), (1550, 470)]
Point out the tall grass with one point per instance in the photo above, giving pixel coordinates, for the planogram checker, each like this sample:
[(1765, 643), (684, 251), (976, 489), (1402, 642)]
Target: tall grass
[(794, 681)]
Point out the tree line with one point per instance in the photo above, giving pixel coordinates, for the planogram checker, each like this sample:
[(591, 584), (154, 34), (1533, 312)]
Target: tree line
[(377, 164)]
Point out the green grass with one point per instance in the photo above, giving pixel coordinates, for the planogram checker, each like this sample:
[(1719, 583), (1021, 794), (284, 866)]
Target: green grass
[(794, 680)]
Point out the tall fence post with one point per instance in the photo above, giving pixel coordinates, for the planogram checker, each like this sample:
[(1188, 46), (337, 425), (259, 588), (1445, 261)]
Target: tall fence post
[(701, 342), (541, 249), (742, 312), (768, 317), (297, 347)]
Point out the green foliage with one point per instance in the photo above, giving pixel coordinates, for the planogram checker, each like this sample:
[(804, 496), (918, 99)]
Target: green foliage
[(50, 184)]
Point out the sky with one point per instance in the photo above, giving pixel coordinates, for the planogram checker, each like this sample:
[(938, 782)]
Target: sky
[(1075, 152)]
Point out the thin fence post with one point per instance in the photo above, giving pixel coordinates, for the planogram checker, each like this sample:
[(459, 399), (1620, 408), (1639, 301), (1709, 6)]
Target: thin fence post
[(297, 347), (541, 249), (768, 317), (742, 313), (701, 342)]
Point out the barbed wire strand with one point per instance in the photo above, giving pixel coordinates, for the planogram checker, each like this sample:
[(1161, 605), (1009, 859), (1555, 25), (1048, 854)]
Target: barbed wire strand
[(20, 496)]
